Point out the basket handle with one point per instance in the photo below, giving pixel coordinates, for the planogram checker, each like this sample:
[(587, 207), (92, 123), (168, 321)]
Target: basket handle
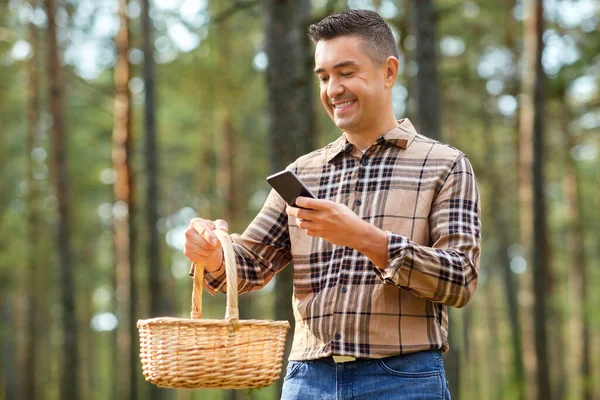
[(232, 312)]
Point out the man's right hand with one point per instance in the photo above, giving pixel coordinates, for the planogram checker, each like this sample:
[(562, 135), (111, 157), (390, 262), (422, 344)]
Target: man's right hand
[(201, 244)]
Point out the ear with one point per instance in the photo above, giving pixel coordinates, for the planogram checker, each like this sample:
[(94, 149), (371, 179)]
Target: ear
[(391, 71)]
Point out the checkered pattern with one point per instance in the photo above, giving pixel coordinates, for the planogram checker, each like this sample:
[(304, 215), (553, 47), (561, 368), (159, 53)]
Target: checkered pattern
[(425, 196)]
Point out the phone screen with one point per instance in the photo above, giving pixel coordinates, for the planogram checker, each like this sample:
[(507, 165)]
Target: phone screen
[(289, 186)]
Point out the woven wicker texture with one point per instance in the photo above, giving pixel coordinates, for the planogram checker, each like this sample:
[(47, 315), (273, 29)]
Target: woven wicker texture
[(209, 353)]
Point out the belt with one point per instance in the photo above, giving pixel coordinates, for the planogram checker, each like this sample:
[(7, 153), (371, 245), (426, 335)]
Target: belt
[(343, 359)]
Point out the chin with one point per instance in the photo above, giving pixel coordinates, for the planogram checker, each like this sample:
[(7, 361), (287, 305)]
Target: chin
[(343, 124)]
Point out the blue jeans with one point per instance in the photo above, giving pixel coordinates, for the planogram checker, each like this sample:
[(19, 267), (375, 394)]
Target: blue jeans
[(416, 376)]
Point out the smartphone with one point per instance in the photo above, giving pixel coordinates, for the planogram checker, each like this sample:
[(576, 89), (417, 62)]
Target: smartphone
[(289, 186)]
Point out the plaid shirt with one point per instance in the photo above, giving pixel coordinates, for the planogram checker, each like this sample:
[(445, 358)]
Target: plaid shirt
[(425, 196)]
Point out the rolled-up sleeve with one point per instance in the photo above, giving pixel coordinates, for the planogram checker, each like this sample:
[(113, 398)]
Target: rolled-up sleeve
[(261, 251), (447, 272)]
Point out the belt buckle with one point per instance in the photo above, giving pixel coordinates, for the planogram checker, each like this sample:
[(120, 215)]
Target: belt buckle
[(343, 359)]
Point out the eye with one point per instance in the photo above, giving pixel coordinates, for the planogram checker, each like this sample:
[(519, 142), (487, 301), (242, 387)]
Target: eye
[(323, 79), (346, 74)]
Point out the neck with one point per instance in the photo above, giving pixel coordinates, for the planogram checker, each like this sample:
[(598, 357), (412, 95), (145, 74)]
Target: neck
[(364, 138)]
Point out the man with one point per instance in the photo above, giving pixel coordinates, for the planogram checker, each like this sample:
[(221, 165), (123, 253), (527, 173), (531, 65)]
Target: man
[(393, 239)]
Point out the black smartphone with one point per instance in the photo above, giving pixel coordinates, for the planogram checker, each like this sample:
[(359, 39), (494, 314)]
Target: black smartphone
[(289, 186)]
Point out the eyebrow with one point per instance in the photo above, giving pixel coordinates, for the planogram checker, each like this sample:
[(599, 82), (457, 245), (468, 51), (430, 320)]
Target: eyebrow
[(338, 65)]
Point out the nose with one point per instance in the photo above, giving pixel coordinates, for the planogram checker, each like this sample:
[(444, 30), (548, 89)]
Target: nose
[(334, 88)]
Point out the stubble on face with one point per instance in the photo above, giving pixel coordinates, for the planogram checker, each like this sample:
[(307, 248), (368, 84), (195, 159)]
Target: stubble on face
[(347, 74)]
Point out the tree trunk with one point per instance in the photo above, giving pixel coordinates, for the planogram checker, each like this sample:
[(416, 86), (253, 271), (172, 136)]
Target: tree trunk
[(124, 212), (526, 123), (404, 25), (478, 385), (292, 121), (452, 359), (159, 304), (227, 184), (498, 385), (467, 354), (69, 382), (428, 90), (540, 259), (593, 337), (580, 318), (523, 351), (33, 221), (9, 377), (501, 229), (86, 338)]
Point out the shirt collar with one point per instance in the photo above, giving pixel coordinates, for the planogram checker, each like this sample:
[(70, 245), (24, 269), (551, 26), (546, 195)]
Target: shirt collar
[(401, 136)]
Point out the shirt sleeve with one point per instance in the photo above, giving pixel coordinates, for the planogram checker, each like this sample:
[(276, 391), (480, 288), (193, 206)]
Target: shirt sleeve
[(448, 271), (261, 251)]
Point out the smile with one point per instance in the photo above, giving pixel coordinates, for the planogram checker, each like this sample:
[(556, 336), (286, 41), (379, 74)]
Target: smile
[(339, 106)]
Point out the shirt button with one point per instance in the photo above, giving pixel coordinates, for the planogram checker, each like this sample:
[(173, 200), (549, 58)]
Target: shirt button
[(344, 289), (358, 202), (364, 161), (338, 336)]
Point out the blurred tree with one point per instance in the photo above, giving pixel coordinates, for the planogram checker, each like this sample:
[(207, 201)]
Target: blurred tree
[(500, 221), (9, 379), (69, 381), (228, 185), (428, 90), (501, 217), (158, 304), (577, 254), (533, 121), (404, 25), (124, 214), (31, 387), (501, 269), (291, 117), (525, 188), (526, 123)]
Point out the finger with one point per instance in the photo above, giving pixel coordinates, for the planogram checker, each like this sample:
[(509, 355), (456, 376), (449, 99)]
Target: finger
[(307, 225), (198, 258), (201, 221), (292, 211), (198, 251), (312, 204), (205, 254), (205, 229), (203, 235), (193, 256), (222, 225), (200, 248), (301, 213)]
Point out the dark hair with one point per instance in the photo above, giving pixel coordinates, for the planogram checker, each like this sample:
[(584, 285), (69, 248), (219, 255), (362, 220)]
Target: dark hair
[(366, 24)]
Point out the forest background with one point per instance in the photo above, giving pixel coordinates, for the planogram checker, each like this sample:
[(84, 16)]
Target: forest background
[(120, 120)]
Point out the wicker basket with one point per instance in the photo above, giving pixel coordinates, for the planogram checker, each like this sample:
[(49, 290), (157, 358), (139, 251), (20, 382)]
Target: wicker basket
[(212, 353)]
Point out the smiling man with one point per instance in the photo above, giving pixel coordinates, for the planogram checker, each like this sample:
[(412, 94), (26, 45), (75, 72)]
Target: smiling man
[(392, 240)]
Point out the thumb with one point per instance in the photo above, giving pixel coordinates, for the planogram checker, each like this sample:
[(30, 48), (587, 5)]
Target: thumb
[(222, 225)]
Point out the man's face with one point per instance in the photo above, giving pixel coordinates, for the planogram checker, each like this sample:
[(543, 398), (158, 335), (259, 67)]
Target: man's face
[(353, 89)]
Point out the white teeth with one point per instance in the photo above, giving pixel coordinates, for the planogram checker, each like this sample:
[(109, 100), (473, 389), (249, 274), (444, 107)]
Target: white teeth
[(342, 105)]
